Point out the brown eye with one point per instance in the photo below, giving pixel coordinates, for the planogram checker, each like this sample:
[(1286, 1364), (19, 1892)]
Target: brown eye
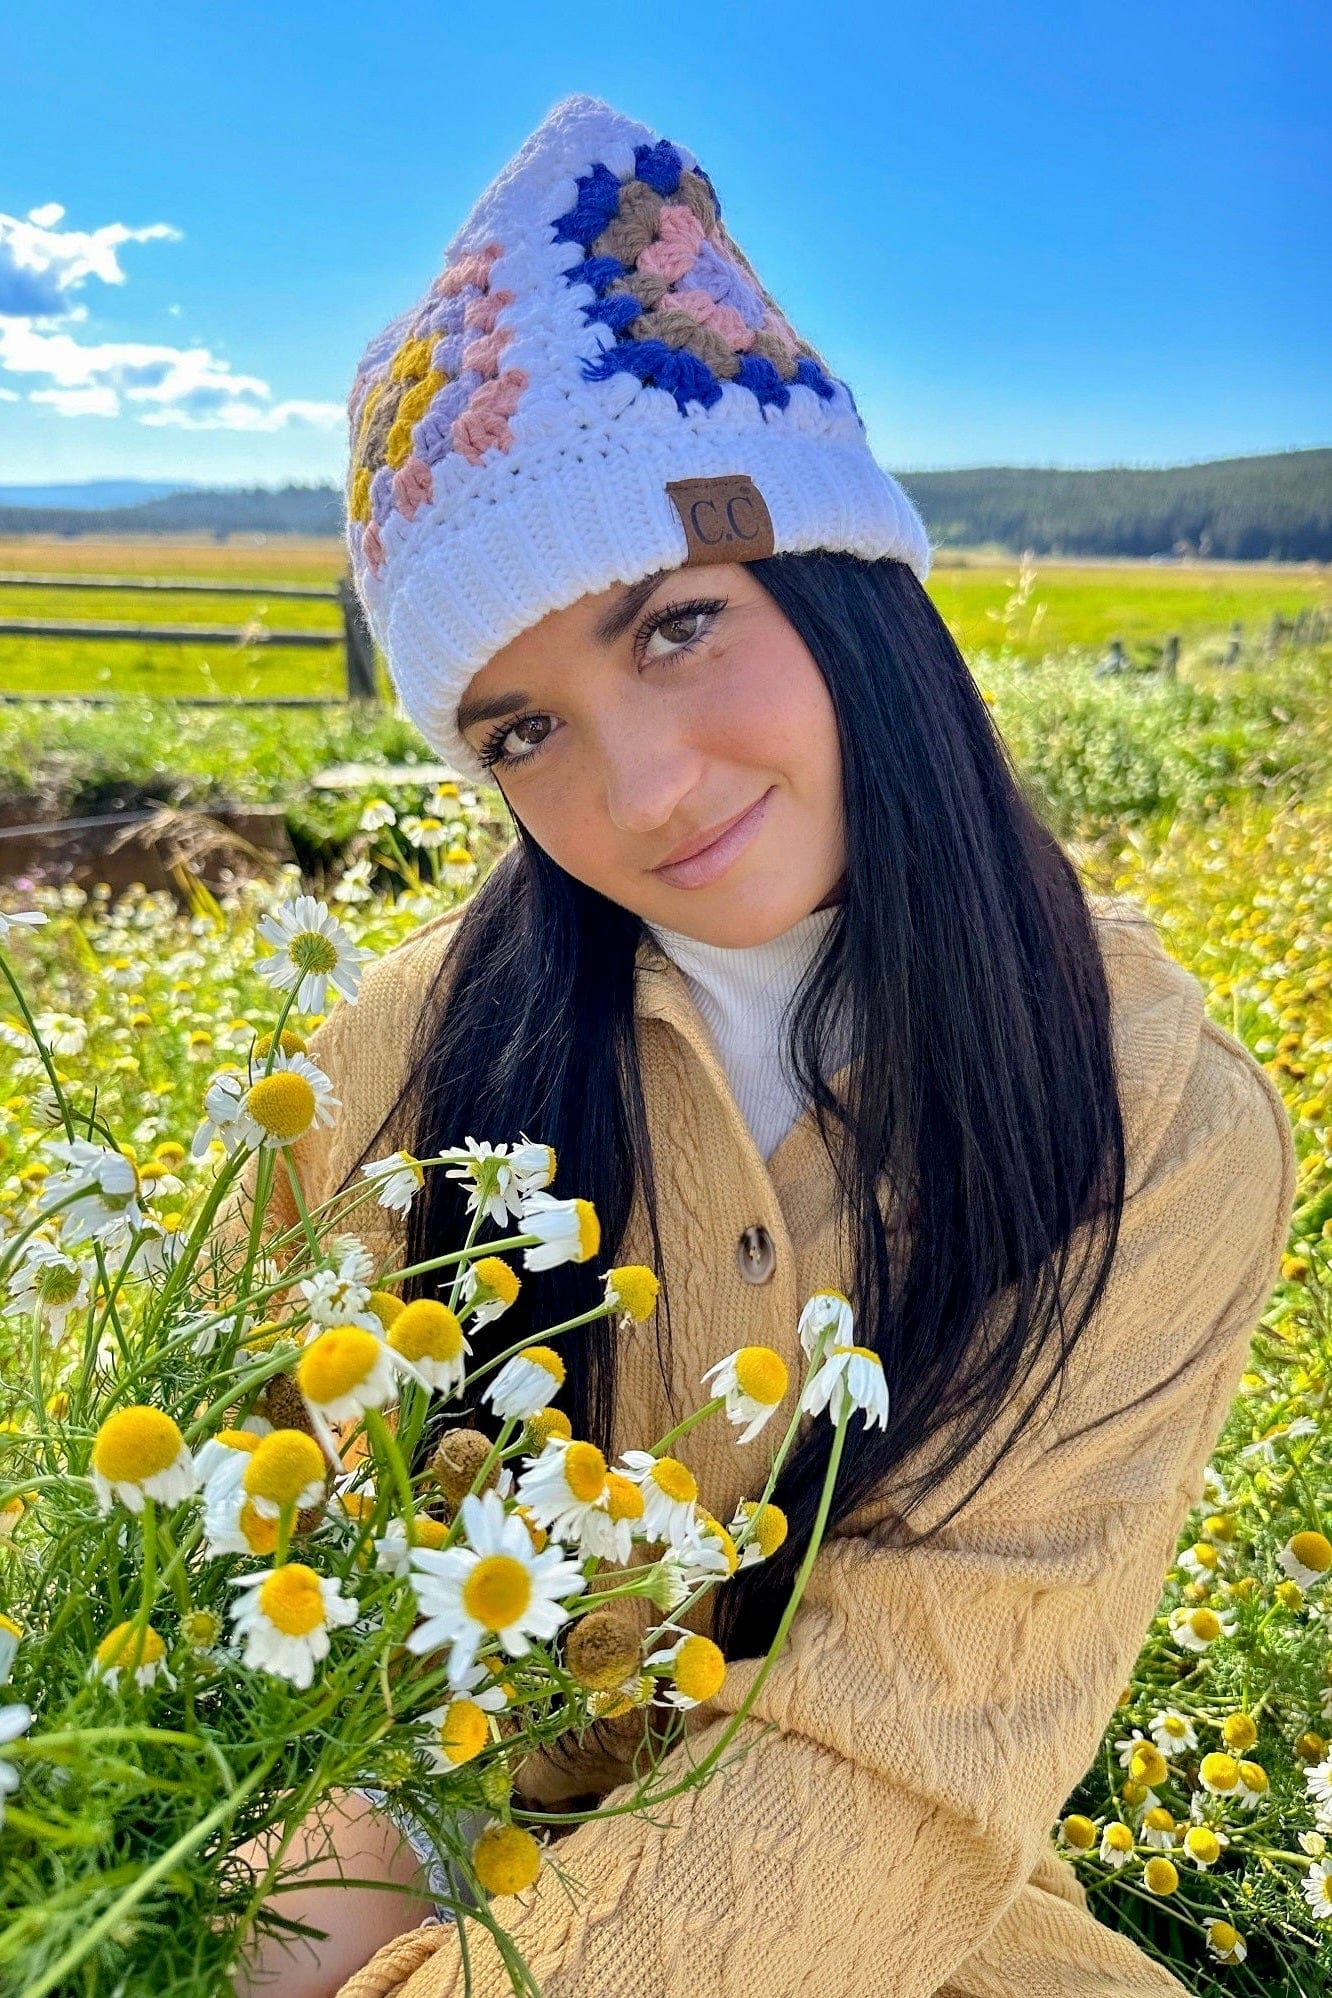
[(531, 729)]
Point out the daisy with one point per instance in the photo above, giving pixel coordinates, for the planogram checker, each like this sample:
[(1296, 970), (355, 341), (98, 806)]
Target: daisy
[(525, 1383), (457, 868), (377, 813), (1317, 1889), (284, 1618), (100, 1186), (339, 1297), (427, 833), (634, 1288), (1318, 1781), (1204, 1844), (616, 1521), (1197, 1629), (286, 1469), (695, 1664), (394, 1547), (31, 918), (133, 1649), (312, 953), (567, 1231), (753, 1379), (1255, 1788), (139, 1453), (221, 1118), (50, 1284), (282, 1106), (14, 1721), (220, 1462), (563, 1485), (506, 1174), (827, 1311), (1219, 1774), (759, 1531), (1172, 1731), (1306, 1558), (851, 1377), (669, 1490), (397, 1179), (461, 1727), (488, 1287), (1226, 1943), (428, 1335), (1280, 1432), (62, 1033), (356, 884), (1116, 1844), (345, 1371), (496, 1586)]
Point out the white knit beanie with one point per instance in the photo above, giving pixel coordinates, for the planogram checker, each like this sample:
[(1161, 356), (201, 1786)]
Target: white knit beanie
[(597, 386)]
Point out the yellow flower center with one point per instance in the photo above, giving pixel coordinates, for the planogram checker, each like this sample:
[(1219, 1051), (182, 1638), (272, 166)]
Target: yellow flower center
[(170, 1152), (1175, 1725), (281, 1104), (1159, 1818), (457, 856), (1200, 1842), (1204, 1623), (636, 1288), (426, 1330), (497, 1591), (1220, 1525), (292, 1600), (624, 1500), (495, 1280), (585, 1472), (428, 1532), (309, 951), (1147, 1764), (128, 1649), (770, 1527), (289, 1041), (1312, 1550), (134, 1444), (1219, 1772), (335, 1363), (1160, 1875), (1254, 1777), (547, 1357), (1239, 1732), (761, 1374), (465, 1731), (1079, 1832), (386, 1306), (238, 1439), (1205, 1556), (1118, 1837), (506, 1859), (261, 1533), (283, 1466), (542, 1425), (589, 1230), (670, 1476), (699, 1668), (1223, 1937)]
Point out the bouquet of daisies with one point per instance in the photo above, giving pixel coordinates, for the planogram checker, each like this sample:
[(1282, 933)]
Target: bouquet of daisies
[(230, 1589)]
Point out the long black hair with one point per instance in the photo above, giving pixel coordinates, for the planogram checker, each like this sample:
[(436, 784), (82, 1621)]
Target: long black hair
[(982, 1097)]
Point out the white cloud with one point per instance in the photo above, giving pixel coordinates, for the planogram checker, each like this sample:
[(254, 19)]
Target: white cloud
[(42, 267)]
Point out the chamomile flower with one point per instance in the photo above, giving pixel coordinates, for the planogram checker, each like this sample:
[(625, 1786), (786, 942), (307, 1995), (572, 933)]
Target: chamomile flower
[(827, 1312), (497, 1586), (461, 1728), (377, 813), (134, 1649), (1172, 1731), (1306, 1558), (97, 1194), (285, 1468), (139, 1453), (11, 1634), (426, 833), (312, 952), (753, 1380), (397, 1179), (428, 1335), (1264, 1446), (1225, 1942), (339, 1297), (220, 1462), (283, 1105), (1203, 1844), (670, 1492), (1317, 1889), (50, 1284), (610, 1528), (695, 1665), (849, 1377), (1318, 1782), (525, 1383), (1116, 1844), (356, 884), (27, 918), (489, 1286), (345, 1371), (563, 1485), (1254, 1786), (1219, 1774), (759, 1530), (634, 1289), (457, 867), (568, 1231), (283, 1619), (1197, 1629), (502, 1176), (222, 1111), (62, 1033), (14, 1721), (394, 1547)]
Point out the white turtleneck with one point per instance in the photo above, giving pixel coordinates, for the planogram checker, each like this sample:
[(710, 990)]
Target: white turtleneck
[(742, 994)]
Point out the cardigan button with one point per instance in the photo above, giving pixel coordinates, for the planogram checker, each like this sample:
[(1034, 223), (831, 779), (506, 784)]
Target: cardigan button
[(756, 1255)]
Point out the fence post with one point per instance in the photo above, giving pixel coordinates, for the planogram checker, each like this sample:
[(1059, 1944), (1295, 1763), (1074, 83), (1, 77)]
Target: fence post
[(1170, 656), (361, 685), (1235, 643)]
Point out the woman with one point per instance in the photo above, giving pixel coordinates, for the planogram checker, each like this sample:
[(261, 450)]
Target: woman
[(804, 996)]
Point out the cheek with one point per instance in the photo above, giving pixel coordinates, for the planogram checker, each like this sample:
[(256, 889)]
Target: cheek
[(774, 709)]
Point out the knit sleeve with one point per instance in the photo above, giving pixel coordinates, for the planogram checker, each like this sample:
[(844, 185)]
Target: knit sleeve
[(934, 1707)]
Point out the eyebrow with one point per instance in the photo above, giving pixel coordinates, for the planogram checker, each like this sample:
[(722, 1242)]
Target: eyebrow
[(612, 624)]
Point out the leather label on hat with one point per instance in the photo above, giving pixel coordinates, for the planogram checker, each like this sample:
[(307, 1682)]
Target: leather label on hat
[(724, 519)]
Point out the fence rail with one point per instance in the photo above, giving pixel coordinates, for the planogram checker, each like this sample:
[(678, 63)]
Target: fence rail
[(354, 637)]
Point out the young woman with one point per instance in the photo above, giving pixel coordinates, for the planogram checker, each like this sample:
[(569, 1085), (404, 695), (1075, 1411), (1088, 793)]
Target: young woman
[(804, 996)]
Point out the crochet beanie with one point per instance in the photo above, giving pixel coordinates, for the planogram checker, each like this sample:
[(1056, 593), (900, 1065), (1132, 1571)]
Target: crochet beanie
[(596, 386)]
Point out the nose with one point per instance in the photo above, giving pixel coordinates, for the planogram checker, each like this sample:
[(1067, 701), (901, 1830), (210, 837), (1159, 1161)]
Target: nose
[(647, 773)]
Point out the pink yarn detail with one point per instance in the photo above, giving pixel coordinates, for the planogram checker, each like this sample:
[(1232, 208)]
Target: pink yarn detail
[(679, 236), (480, 314), (776, 322), (412, 487), (701, 305), (484, 354), (372, 547), (485, 420), (474, 269)]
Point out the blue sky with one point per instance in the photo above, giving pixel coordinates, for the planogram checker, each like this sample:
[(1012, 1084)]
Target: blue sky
[(1037, 233)]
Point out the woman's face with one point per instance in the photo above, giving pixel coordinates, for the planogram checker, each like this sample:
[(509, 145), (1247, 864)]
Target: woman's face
[(672, 744)]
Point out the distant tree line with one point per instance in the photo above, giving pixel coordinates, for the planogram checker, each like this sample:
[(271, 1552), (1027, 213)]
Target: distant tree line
[(1272, 508)]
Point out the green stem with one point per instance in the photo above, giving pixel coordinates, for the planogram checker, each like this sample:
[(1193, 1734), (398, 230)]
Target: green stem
[(718, 1401), (386, 1447)]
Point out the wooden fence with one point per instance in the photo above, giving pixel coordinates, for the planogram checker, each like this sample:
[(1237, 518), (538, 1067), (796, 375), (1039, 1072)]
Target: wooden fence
[(353, 637)]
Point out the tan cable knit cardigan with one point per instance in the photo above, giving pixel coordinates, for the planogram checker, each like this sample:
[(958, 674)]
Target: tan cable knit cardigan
[(891, 1837)]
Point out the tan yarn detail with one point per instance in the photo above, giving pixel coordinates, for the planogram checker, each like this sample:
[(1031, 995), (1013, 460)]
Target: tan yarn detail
[(681, 329), (693, 193), (772, 349), (372, 444), (648, 287), (635, 226), (390, 1967)]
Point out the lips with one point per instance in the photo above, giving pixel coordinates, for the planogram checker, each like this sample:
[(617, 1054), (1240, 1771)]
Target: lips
[(690, 848), (705, 859)]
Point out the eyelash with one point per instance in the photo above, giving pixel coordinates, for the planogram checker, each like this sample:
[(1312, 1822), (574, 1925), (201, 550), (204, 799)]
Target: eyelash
[(492, 753)]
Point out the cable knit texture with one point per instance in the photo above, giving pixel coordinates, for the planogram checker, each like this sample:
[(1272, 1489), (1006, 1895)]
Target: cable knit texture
[(890, 1837), (595, 334)]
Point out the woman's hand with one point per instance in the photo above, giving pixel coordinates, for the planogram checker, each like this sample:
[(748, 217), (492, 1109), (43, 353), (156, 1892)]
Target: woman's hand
[(358, 1920)]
